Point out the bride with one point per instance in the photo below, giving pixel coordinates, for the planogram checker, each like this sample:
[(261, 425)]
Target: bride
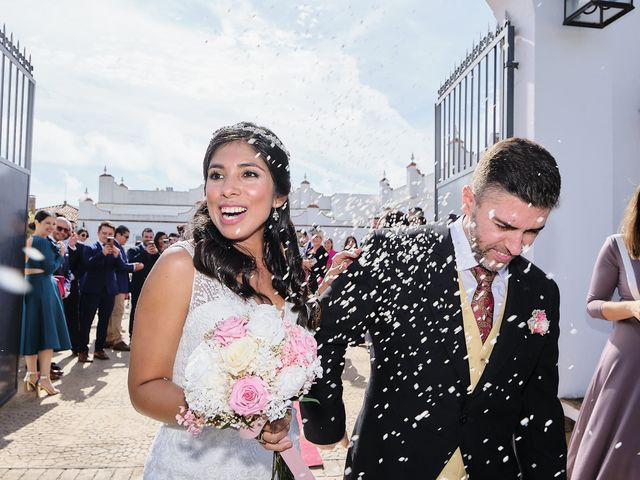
[(242, 253)]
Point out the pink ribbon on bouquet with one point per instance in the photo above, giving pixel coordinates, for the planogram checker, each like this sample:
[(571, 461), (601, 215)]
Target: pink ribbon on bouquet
[(291, 456)]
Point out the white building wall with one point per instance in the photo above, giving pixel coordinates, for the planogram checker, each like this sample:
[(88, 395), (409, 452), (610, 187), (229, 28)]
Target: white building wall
[(338, 215), (577, 94), (344, 214), (91, 215), (109, 191)]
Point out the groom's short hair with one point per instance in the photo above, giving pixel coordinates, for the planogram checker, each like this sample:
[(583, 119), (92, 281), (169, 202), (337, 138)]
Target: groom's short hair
[(522, 168)]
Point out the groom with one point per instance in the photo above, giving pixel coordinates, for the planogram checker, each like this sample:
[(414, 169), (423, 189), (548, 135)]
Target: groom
[(464, 373)]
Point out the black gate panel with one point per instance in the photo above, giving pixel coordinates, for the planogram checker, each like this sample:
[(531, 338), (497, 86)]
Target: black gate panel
[(474, 110), (17, 92), (14, 186)]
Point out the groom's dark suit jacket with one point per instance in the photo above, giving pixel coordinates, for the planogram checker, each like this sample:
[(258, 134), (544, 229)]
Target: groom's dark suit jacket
[(416, 412)]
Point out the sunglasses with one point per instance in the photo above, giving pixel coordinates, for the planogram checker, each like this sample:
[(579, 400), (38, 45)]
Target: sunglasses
[(63, 229)]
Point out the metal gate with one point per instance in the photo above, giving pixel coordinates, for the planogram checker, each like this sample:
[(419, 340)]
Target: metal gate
[(473, 111), (17, 90)]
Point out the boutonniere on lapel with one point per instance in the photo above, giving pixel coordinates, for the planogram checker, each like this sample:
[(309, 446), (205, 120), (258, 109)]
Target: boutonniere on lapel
[(538, 322)]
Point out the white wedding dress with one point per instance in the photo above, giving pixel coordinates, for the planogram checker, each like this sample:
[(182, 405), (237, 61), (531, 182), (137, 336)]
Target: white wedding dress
[(214, 454)]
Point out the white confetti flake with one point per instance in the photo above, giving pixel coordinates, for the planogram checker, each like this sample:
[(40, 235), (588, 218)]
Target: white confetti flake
[(13, 280), (33, 253), (422, 415)]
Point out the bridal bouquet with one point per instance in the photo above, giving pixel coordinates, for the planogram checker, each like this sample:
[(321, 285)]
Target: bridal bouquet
[(247, 371)]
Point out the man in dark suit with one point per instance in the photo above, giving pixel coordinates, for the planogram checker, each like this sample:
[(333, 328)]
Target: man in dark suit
[(98, 287), (64, 233), (114, 331), (71, 270), (465, 333), (146, 253)]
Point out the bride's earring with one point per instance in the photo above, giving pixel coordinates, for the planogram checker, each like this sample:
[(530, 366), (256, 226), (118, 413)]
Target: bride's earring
[(275, 214)]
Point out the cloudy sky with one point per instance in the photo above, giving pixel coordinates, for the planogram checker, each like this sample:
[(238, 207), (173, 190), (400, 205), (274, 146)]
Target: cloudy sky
[(349, 86)]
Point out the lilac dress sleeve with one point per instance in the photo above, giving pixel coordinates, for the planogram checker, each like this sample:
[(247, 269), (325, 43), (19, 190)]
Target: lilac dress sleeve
[(608, 275)]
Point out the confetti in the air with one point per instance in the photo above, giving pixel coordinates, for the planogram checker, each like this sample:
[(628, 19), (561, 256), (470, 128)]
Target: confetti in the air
[(33, 253), (13, 280)]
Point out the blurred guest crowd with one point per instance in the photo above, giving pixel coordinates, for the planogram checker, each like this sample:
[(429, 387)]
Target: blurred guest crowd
[(74, 277)]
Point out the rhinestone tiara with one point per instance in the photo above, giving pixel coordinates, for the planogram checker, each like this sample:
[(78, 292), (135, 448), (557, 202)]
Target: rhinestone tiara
[(244, 127)]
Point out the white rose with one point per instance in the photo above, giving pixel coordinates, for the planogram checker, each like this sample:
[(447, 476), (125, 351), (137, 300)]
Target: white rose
[(239, 355), (265, 323), (290, 381), (205, 384), (201, 366)]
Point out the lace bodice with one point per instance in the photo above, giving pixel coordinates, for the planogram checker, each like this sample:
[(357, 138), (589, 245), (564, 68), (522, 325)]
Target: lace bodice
[(210, 303), (214, 454)]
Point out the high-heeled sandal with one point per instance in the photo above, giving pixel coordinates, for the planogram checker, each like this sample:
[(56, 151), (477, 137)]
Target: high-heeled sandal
[(53, 391), (30, 386)]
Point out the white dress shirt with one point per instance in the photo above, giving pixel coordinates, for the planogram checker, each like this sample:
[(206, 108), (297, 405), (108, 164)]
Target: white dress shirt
[(465, 261)]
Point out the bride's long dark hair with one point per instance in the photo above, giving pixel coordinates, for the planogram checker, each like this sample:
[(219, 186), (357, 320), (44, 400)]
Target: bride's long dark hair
[(224, 260)]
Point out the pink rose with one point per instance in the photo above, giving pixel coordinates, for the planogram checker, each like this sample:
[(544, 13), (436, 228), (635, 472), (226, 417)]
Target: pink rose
[(311, 344), (230, 329), (300, 347), (249, 396)]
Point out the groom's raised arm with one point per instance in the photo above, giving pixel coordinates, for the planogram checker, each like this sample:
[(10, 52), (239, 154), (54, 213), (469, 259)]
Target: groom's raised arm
[(348, 307)]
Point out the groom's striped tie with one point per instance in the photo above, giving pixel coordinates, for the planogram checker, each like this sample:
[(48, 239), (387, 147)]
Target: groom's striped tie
[(482, 301)]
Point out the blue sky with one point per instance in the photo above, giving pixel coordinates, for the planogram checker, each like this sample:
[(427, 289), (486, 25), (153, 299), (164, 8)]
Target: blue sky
[(139, 86)]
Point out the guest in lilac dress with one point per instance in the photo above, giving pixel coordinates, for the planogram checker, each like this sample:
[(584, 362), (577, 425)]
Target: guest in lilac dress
[(606, 439)]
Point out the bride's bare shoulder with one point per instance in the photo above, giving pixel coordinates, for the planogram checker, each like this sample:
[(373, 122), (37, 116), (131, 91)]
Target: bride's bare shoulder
[(177, 258), (175, 264)]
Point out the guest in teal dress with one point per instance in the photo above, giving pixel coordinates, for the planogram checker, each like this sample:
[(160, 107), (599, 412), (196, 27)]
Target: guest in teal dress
[(44, 328)]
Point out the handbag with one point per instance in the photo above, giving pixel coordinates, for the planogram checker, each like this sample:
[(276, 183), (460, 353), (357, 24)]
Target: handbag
[(60, 283)]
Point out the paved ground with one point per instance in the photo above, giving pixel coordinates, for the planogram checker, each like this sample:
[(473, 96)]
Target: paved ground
[(91, 431)]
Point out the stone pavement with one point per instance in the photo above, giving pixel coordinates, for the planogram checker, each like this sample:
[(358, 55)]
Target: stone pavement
[(91, 431)]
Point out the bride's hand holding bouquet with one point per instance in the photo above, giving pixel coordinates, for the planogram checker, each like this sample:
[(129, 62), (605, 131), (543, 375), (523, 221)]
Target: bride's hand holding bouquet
[(245, 375)]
